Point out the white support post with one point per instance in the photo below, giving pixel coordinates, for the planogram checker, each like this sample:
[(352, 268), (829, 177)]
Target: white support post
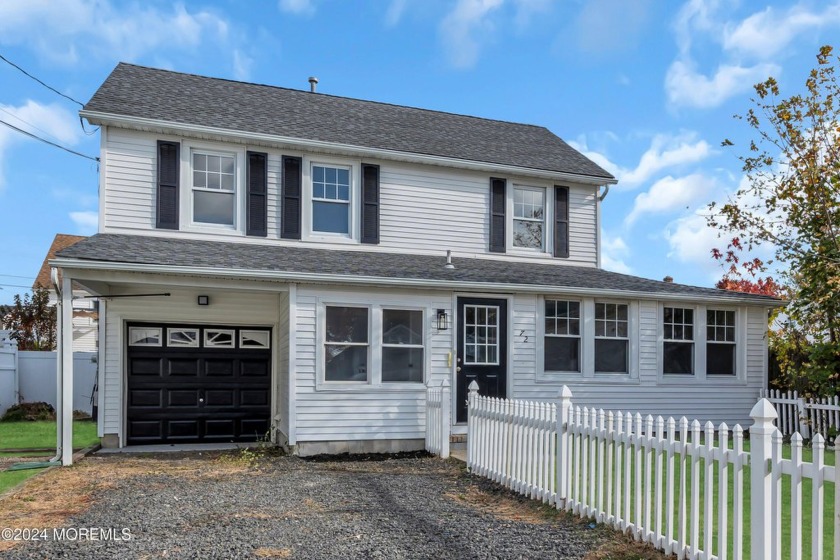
[(804, 420), (761, 484), (472, 436), (563, 410), (66, 371), (445, 418)]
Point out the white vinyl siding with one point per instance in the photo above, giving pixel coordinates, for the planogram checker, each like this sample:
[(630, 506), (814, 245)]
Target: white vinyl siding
[(423, 208)]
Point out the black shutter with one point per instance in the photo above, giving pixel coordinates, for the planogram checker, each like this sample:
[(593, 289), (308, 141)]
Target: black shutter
[(497, 215), (168, 168), (370, 203), (257, 195), (561, 222), (292, 183)]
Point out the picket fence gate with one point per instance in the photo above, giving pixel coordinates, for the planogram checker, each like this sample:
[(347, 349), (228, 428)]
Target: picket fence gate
[(438, 418), (805, 415), (631, 473)]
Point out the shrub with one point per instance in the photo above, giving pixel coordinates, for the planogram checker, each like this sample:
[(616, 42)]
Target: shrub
[(29, 412)]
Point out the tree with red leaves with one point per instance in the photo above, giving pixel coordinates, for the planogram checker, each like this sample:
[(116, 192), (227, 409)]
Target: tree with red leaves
[(743, 275)]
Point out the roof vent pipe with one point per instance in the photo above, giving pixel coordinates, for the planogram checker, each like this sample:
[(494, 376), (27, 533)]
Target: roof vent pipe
[(313, 82), (449, 264), (668, 279)]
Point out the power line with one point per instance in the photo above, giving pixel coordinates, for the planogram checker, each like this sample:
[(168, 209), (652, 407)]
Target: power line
[(45, 141), (15, 286), (16, 276), (9, 62), (28, 123)]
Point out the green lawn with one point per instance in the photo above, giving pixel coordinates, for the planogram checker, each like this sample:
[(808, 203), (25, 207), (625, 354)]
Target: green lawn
[(828, 503), (25, 435), (8, 479)]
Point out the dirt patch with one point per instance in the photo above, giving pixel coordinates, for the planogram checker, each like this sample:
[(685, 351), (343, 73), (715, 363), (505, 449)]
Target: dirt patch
[(624, 548), (501, 507), (266, 552)]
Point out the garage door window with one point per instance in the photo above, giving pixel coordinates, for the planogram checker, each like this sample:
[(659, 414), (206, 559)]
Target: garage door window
[(254, 339), (218, 338), (144, 336), (184, 338)]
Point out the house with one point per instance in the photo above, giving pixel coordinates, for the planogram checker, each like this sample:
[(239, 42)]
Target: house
[(85, 316), (288, 261)]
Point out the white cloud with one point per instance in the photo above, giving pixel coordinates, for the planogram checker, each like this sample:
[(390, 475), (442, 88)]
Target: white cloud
[(685, 86), (669, 194), (666, 151), (695, 16), (51, 121), (526, 10), (461, 27), (610, 25), (298, 7), (769, 32), (614, 251), (395, 11), (70, 30), (87, 222), (242, 64), (691, 241)]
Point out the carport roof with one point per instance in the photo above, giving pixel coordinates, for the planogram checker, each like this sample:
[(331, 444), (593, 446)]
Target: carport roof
[(167, 254)]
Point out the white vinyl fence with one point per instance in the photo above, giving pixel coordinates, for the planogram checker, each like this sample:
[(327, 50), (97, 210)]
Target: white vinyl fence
[(438, 418), (686, 489), (804, 415)]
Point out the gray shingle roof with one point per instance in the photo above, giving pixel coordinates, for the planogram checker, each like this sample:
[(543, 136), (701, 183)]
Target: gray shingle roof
[(283, 259), (137, 91)]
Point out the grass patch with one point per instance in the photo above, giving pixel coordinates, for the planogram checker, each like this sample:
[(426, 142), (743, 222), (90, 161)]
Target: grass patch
[(41, 434), (10, 479)]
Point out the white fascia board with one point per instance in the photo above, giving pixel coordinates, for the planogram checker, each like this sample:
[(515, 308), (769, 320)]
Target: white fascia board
[(318, 278), (99, 118)]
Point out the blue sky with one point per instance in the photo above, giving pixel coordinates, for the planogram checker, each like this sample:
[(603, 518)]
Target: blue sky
[(647, 89)]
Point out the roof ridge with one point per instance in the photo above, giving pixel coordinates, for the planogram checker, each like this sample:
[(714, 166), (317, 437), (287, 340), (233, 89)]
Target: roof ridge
[(370, 101)]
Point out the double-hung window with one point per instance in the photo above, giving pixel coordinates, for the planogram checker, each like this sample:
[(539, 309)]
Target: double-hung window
[(562, 335), (720, 342), (213, 188), (529, 218), (331, 194), (346, 347), (402, 346), (678, 343), (612, 337)]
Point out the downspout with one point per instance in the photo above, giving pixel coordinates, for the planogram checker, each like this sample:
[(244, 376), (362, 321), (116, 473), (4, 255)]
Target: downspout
[(604, 194), (59, 366)]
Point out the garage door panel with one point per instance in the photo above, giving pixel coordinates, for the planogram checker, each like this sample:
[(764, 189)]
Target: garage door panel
[(195, 394), (145, 398)]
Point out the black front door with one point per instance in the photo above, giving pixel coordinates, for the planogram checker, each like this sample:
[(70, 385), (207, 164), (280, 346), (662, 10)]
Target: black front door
[(482, 349)]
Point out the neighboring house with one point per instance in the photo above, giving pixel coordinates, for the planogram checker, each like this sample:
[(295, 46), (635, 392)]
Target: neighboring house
[(85, 316), (277, 259)]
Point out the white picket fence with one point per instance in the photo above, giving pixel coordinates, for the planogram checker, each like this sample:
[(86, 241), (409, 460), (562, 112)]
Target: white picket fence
[(438, 418), (804, 415), (666, 482)]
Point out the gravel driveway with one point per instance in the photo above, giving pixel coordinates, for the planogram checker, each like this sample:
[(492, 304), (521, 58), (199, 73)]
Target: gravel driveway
[(286, 507)]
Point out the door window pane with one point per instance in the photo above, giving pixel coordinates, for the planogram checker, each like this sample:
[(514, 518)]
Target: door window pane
[(481, 335)]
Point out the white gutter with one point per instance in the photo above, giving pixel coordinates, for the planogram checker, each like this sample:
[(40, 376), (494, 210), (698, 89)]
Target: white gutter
[(100, 118), (284, 276)]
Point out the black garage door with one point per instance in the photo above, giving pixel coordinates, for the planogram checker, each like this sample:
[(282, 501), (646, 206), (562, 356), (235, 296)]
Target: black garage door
[(197, 384)]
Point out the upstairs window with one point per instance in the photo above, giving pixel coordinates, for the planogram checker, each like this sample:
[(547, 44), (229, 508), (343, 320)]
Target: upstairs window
[(331, 207), (720, 342), (562, 335), (678, 345), (214, 188), (611, 337), (529, 218)]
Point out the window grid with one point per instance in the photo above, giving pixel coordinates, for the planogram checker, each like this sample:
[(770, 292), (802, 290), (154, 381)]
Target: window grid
[(720, 326), (611, 320), (331, 184), (562, 318), (528, 217), (213, 172), (678, 324), (481, 335)]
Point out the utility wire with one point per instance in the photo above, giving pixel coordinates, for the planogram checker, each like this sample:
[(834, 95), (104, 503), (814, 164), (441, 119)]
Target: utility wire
[(45, 141), (9, 62), (29, 123), (16, 276)]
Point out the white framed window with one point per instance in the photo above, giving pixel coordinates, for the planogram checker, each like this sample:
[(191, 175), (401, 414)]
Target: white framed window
[(529, 212), (403, 349), (213, 186), (721, 345), (219, 338), (182, 337), (612, 337), (256, 339), (346, 344), (678, 340), (332, 194), (481, 335), (145, 336), (562, 343)]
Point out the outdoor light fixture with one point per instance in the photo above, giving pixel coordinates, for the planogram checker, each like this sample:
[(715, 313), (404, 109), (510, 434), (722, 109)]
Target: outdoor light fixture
[(442, 320), (203, 300)]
